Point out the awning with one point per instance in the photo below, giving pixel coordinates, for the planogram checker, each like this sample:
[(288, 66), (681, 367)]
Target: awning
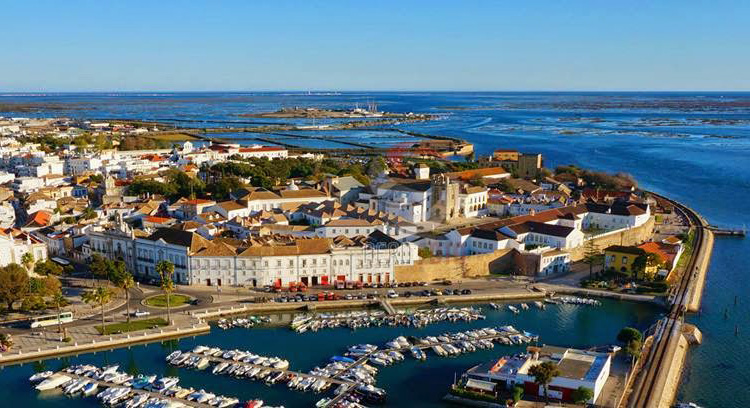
[(480, 385)]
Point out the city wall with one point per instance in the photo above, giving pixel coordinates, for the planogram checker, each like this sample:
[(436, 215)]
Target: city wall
[(456, 267), (632, 236)]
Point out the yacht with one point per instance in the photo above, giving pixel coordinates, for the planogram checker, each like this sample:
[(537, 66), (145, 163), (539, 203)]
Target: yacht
[(40, 376), (53, 382)]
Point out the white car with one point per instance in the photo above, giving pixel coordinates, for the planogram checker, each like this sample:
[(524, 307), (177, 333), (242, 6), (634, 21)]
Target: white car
[(392, 294)]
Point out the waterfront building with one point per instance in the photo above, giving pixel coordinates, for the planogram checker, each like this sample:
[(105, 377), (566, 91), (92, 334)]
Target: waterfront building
[(578, 368), (622, 258)]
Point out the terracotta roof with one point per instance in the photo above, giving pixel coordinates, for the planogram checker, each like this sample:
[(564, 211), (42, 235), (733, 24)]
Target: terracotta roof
[(483, 172), (232, 205), (39, 219)]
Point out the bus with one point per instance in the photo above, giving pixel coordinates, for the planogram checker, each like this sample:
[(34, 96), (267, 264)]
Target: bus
[(50, 320)]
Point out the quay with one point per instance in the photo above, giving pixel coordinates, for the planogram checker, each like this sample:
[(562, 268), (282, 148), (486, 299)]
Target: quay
[(112, 341), (659, 369)]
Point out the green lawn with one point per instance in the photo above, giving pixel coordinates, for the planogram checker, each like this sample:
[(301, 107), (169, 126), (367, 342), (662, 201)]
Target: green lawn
[(161, 300), (134, 325)]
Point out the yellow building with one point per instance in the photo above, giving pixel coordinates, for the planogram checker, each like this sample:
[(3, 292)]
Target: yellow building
[(505, 155), (622, 258)]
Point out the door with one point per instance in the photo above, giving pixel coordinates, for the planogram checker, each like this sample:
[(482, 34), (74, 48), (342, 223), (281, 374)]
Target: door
[(304, 280), (387, 277), (324, 280), (255, 283), (218, 282), (378, 278), (314, 280)]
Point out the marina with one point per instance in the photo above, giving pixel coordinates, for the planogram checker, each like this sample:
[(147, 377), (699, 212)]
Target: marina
[(353, 373), (115, 388)]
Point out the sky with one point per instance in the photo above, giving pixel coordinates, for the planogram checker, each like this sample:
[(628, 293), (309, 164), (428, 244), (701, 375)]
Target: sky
[(469, 45)]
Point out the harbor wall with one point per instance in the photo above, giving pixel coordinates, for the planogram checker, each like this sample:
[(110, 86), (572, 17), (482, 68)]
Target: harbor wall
[(455, 267), (631, 236), (704, 259)]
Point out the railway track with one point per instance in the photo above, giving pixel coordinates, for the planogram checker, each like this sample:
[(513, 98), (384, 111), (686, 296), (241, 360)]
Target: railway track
[(656, 369)]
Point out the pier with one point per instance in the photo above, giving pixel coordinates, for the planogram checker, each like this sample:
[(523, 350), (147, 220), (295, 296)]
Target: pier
[(730, 232), (104, 384), (387, 306), (286, 370)]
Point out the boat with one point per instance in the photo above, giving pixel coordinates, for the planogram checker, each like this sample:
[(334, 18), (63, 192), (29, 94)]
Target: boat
[(539, 304), (137, 401), (89, 388), (53, 382), (142, 381), (202, 363), (417, 353), (513, 309), (40, 376), (163, 384), (253, 404)]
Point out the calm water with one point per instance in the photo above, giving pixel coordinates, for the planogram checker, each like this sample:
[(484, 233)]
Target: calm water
[(578, 326), (693, 147)]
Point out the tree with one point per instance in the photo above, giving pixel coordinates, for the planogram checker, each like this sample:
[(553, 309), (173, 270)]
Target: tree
[(517, 393), (591, 255), (27, 260), (48, 268), (376, 166), (424, 252), (120, 277), (59, 300), (632, 339), (628, 334), (99, 296), (543, 374), (99, 266), (14, 284), (582, 395), (166, 270)]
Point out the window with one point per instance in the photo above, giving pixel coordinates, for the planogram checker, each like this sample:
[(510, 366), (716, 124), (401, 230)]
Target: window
[(624, 260)]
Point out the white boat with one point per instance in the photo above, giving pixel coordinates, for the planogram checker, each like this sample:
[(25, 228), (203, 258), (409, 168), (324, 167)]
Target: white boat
[(40, 376), (90, 388), (513, 309), (137, 401), (202, 363), (539, 304), (53, 382)]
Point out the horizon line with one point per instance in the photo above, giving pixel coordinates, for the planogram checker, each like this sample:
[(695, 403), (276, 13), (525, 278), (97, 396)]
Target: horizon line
[(305, 91)]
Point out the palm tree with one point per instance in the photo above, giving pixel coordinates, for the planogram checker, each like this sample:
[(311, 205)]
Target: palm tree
[(166, 270), (99, 296), (543, 374), (27, 260), (123, 279), (59, 300)]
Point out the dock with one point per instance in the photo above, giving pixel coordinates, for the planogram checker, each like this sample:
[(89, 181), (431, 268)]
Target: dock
[(387, 306), (729, 232), (105, 384), (286, 370)]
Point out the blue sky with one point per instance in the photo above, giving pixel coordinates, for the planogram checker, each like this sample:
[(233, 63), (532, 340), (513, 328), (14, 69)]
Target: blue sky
[(375, 45)]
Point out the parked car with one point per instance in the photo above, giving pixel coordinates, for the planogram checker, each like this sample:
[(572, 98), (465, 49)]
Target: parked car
[(392, 294)]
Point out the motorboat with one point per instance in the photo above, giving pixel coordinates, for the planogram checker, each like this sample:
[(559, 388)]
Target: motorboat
[(40, 376), (143, 381), (164, 384), (53, 382), (89, 388)]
